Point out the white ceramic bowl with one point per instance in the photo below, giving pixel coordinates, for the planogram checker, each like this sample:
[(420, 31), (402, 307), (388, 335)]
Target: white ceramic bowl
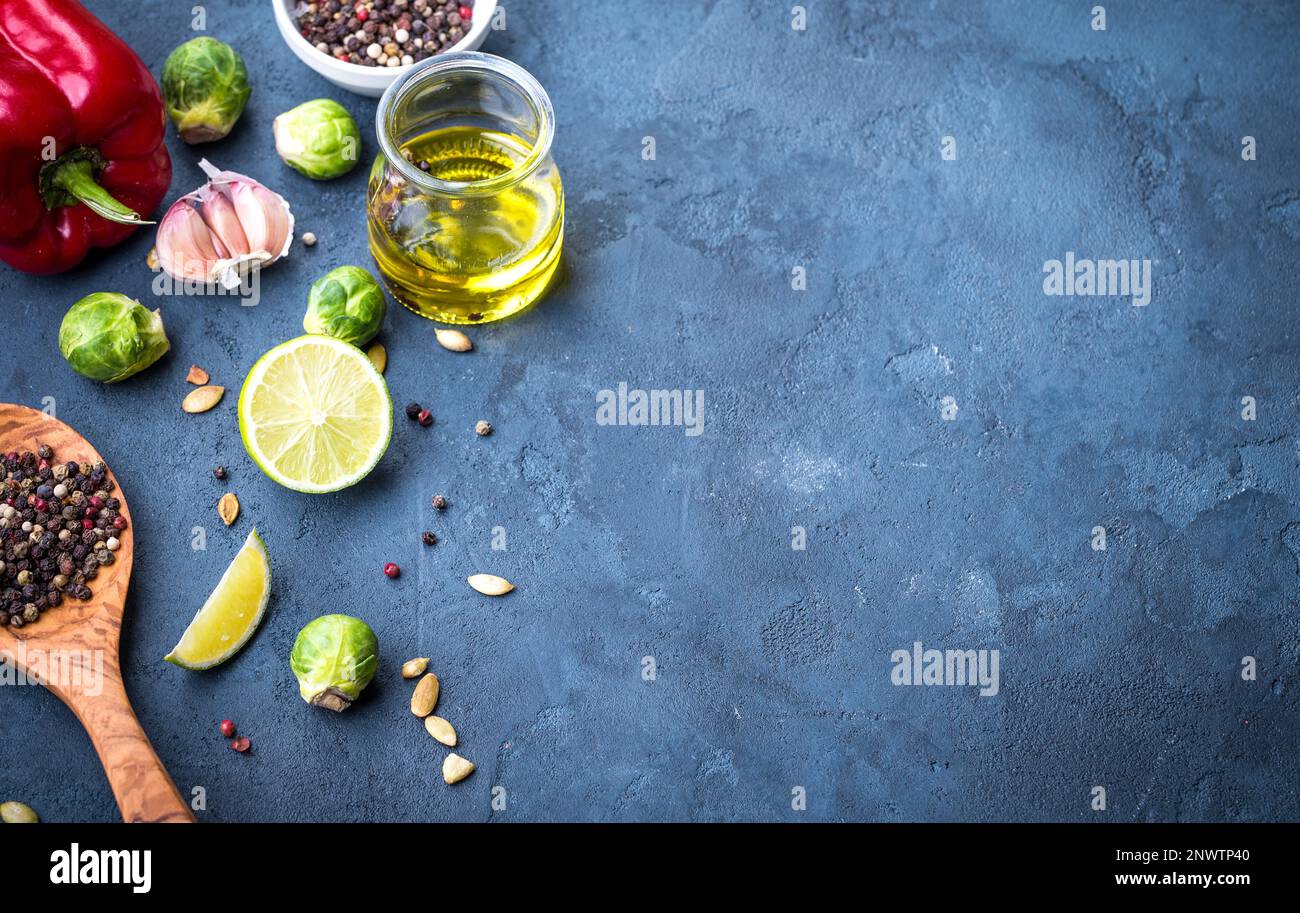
[(370, 81)]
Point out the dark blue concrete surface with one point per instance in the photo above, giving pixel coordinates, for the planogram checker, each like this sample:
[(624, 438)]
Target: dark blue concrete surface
[(775, 149)]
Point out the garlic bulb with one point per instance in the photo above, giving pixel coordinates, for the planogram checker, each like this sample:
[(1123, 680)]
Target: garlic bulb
[(229, 226)]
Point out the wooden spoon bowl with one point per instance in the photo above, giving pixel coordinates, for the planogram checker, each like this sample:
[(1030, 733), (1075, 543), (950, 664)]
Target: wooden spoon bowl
[(73, 647)]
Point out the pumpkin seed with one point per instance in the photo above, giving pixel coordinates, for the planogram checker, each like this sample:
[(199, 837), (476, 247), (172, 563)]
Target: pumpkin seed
[(228, 508), (441, 730), (425, 696), (203, 399), (18, 813), (455, 768), (453, 340), (197, 376), (413, 667), (378, 356), (490, 584)]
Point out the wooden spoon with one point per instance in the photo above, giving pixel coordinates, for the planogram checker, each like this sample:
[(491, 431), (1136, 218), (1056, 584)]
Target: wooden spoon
[(84, 637)]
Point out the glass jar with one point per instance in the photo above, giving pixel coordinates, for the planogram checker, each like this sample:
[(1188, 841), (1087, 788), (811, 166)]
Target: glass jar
[(464, 205)]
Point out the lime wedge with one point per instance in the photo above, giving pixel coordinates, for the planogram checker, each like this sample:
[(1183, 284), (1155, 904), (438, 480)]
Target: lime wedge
[(231, 614), (315, 415)]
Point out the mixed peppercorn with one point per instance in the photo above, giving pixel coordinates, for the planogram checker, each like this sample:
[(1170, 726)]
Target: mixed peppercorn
[(58, 525), (417, 413), (384, 33), (238, 743)]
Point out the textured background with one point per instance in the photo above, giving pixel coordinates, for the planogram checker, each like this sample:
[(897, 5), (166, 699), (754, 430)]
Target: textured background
[(775, 149)]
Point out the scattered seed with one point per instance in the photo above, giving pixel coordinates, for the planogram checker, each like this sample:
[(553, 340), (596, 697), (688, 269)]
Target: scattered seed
[(455, 768), (425, 696), (413, 410), (240, 744), (378, 356), (219, 472), (227, 728), (228, 508), (428, 538), (309, 239), (203, 399), (151, 258), (441, 730), (17, 813), (439, 502), (482, 428), (425, 418), (453, 340), (197, 376), (490, 584), (415, 667), (392, 570)]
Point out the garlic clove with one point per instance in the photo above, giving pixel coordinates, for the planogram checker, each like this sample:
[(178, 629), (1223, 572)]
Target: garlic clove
[(222, 220), (186, 249), (265, 217)]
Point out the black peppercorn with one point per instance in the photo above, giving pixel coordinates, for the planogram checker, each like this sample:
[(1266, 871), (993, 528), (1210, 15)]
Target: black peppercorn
[(413, 410), (219, 472), (428, 538)]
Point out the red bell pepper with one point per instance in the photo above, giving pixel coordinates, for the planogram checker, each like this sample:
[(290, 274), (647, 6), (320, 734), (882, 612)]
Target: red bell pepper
[(81, 136)]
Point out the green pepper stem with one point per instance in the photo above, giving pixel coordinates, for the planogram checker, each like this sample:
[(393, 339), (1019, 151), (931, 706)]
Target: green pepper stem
[(77, 177)]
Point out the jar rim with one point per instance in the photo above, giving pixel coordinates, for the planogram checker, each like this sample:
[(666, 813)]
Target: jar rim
[(467, 61)]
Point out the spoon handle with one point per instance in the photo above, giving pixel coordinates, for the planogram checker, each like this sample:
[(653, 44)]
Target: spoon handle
[(143, 789)]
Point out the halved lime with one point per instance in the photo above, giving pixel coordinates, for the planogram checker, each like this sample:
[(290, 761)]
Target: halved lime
[(315, 415), (231, 614)]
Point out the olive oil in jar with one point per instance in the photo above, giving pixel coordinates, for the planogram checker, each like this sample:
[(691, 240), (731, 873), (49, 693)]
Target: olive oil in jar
[(478, 242)]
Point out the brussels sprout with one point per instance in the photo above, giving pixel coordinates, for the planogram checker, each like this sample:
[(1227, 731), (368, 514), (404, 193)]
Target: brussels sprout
[(334, 658), (319, 138), (106, 336), (205, 86), (346, 303), (17, 813)]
